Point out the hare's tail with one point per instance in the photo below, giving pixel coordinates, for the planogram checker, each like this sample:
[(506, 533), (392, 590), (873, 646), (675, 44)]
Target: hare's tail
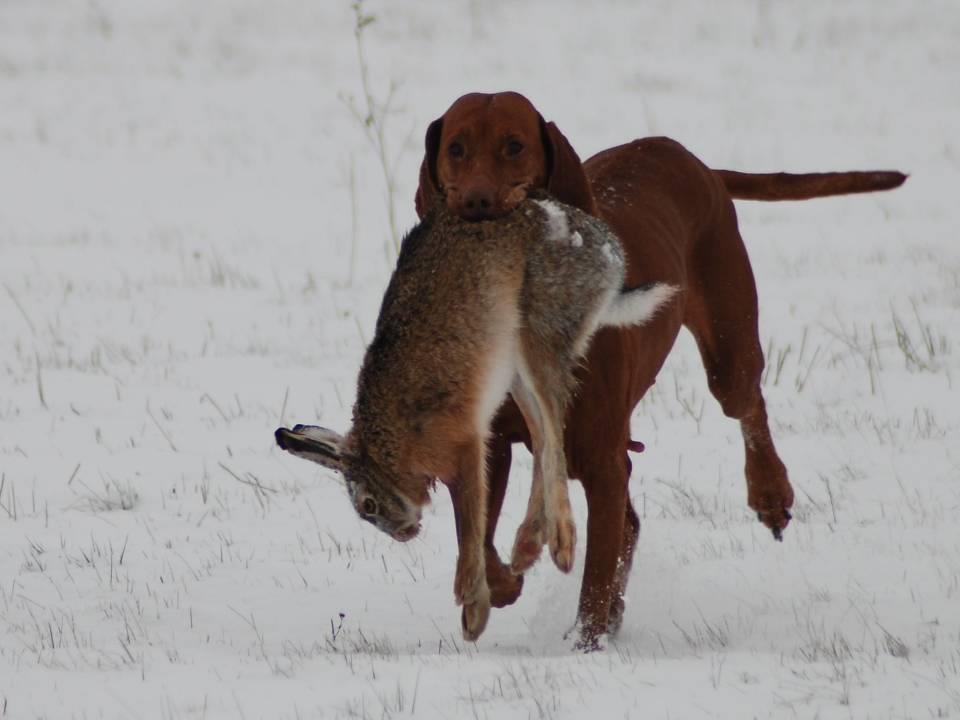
[(636, 306)]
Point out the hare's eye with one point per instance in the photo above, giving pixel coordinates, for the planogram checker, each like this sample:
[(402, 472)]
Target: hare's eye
[(514, 148), (456, 150), (369, 506)]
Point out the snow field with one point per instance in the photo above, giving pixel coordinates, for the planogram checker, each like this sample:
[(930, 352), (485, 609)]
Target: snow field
[(192, 251)]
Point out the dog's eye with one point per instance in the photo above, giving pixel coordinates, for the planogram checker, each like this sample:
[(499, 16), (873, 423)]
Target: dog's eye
[(455, 150), (514, 147), (369, 506)]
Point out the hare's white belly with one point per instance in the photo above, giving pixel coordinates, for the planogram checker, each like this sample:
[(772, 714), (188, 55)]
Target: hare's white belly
[(499, 370)]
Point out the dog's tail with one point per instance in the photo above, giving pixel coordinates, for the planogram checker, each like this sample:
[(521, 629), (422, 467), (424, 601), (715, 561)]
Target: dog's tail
[(790, 186)]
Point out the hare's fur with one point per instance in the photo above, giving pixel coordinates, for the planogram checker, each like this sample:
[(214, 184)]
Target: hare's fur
[(475, 311)]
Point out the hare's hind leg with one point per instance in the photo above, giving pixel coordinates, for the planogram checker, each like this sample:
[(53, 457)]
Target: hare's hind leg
[(543, 400), (531, 535)]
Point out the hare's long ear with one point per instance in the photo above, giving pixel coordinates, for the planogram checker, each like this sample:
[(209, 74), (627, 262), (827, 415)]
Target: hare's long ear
[(310, 442), (429, 186), (566, 180)]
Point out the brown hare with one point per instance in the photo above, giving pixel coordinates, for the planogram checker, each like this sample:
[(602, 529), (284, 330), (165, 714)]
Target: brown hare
[(474, 311)]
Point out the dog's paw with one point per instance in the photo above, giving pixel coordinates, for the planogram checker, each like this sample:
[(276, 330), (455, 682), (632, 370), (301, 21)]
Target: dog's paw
[(589, 639), (776, 520), (505, 586), (772, 506)]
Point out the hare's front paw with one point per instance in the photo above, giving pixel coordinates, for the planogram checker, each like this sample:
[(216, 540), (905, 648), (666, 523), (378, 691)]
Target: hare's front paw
[(470, 590), (470, 581), (473, 619)]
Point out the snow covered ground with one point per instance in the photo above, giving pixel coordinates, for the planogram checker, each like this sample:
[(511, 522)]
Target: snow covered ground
[(192, 251)]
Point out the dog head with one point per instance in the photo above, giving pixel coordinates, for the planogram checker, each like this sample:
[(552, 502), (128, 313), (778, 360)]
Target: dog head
[(488, 151)]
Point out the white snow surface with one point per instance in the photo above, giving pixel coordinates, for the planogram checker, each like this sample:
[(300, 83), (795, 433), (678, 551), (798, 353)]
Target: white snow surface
[(192, 252)]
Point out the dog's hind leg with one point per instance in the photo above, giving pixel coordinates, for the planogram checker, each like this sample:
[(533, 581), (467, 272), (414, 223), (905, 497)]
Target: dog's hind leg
[(631, 532), (721, 312)]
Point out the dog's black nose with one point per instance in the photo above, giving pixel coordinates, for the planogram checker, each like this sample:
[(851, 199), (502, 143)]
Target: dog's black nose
[(477, 204)]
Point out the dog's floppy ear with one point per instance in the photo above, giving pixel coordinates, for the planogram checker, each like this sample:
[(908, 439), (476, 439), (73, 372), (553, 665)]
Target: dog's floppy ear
[(312, 443), (429, 186), (566, 179)]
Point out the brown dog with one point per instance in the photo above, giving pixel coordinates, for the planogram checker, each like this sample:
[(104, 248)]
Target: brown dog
[(676, 220)]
